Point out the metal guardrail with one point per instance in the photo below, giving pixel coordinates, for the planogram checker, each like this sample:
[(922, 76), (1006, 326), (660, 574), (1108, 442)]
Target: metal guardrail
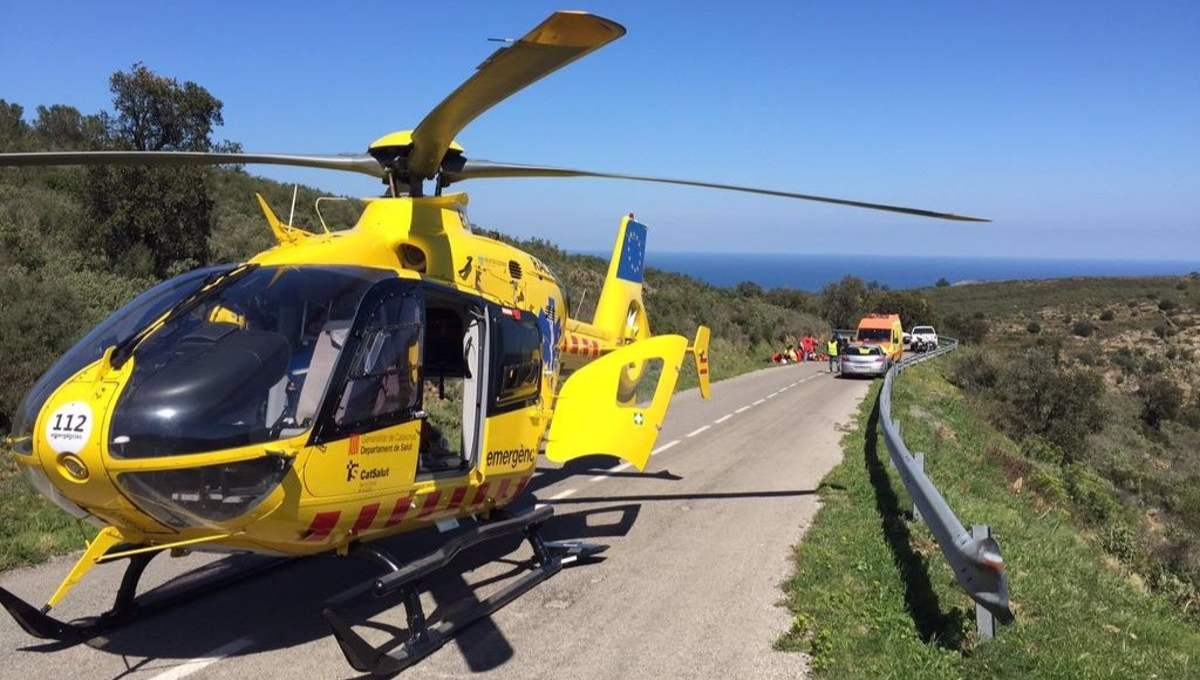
[(974, 556)]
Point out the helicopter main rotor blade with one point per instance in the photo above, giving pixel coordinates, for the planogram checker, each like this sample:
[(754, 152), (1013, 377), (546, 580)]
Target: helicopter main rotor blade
[(360, 163), (556, 42), (480, 169)]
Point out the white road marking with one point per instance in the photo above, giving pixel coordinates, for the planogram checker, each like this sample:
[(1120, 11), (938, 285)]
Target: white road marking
[(742, 409), (188, 667), (772, 395), (758, 402), (722, 419), (664, 447), (695, 432), (562, 494)]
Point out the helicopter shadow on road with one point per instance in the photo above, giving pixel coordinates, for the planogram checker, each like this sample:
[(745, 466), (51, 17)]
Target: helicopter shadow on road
[(592, 465), (281, 609)]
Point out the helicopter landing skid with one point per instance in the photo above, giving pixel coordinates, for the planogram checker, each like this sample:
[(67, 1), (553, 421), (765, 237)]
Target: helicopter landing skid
[(424, 638), (127, 607)]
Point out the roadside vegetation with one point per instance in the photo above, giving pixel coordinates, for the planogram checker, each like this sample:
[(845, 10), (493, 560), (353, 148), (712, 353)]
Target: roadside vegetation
[(873, 597)]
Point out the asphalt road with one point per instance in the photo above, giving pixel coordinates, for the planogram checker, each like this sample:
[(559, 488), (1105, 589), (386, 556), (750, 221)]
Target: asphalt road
[(689, 587)]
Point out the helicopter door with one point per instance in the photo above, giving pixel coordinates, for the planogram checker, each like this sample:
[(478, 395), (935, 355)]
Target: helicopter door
[(369, 421), (472, 411)]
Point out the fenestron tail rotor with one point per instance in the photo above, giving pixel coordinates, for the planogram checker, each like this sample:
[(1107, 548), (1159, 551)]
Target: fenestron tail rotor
[(406, 159)]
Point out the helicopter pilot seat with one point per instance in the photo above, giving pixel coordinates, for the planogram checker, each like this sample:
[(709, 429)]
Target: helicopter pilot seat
[(324, 357)]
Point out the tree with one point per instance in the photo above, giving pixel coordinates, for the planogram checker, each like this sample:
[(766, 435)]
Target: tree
[(1161, 400), (913, 309), (845, 302), (943, 283), (151, 220), (63, 127), (12, 126), (1038, 395)]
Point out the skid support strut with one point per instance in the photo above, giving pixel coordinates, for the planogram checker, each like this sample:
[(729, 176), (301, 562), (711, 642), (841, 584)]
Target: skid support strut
[(127, 606), (425, 638)]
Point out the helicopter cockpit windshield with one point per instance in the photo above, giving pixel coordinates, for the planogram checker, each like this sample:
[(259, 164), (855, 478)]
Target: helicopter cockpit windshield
[(242, 364)]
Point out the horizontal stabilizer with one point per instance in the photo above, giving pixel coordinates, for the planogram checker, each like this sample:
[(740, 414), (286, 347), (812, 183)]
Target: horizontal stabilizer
[(616, 404)]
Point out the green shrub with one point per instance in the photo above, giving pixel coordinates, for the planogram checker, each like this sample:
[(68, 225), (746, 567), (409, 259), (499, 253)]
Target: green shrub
[(1107, 315), (1049, 485), (1161, 400), (1039, 448), (1162, 330), (1119, 541), (1091, 493), (968, 330), (1083, 329), (1037, 395), (1034, 327), (1167, 304), (974, 371)]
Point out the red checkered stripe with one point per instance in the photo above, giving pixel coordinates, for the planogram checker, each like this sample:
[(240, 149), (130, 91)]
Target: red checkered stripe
[(424, 507), (573, 344)]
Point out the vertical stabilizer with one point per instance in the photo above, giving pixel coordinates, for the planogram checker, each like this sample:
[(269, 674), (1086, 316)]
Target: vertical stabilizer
[(620, 314)]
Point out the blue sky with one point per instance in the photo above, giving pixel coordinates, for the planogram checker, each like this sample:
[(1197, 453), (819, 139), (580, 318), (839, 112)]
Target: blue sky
[(1075, 126)]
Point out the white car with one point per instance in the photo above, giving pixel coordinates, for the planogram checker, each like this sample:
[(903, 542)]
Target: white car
[(923, 338)]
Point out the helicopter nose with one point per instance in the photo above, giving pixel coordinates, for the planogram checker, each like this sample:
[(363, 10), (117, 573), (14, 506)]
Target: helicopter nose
[(66, 452)]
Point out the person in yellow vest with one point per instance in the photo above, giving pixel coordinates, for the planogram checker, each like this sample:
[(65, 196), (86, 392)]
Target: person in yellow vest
[(831, 348)]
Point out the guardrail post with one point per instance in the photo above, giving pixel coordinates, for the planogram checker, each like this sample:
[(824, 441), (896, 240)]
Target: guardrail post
[(919, 463), (985, 622)]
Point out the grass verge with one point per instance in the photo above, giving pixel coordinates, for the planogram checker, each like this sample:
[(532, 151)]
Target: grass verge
[(31, 528), (873, 597)]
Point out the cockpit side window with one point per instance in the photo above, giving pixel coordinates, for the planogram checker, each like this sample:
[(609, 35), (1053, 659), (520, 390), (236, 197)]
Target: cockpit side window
[(517, 361), (377, 383)]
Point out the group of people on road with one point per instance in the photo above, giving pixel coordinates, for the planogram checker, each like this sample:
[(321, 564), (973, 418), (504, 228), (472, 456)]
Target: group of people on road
[(810, 348)]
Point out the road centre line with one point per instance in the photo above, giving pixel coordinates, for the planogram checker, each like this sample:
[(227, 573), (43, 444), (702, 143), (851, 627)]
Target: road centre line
[(722, 419), (758, 402), (664, 447), (188, 667), (742, 409), (772, 395), (561, 495), (693, 433)]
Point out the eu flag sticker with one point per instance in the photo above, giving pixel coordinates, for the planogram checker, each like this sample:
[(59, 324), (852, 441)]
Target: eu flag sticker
[(633, 253)]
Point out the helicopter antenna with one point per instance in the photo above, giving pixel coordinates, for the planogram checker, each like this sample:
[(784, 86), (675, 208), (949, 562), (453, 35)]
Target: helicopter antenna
[(295, 190), (317, 208), (582, 297)]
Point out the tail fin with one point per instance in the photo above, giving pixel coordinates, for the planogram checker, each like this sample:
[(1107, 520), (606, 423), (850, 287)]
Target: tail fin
[(620, 314)]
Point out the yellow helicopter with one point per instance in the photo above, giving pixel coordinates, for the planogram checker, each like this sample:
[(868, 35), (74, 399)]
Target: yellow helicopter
[(277, 406)]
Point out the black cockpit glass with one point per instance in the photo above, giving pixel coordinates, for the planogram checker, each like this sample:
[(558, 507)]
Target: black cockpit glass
[(246, 363), (117, 328)]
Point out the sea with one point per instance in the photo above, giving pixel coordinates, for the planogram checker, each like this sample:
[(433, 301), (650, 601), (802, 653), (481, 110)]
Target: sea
[(812, 272)]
